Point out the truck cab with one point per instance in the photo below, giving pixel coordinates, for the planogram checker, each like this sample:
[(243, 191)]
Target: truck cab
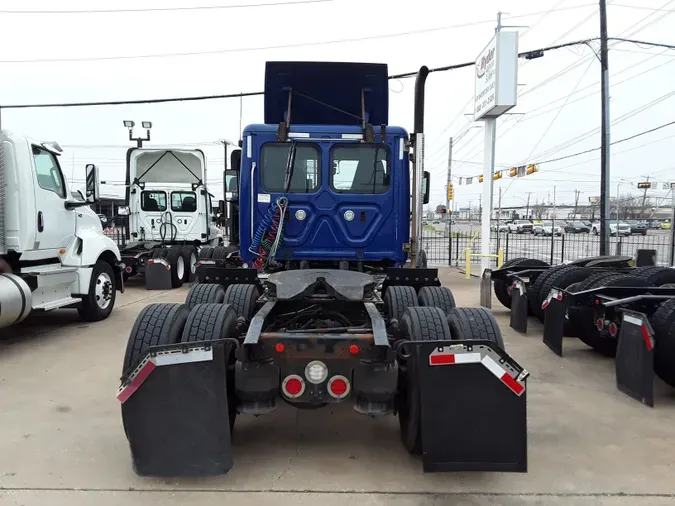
[(53, 250), (341, 173)]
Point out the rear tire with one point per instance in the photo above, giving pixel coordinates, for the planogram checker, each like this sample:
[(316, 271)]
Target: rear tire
[(205, 253), (189, 254), (396, 299), (417, 324), (561, 277), (99, 302), (588, 333), (160, 252), (205, 293), (475, 324), (156, 324), (437, 296), (177, 263), (663, 323), (422, 259), (219, 253), (242, 298), (211, 322), (657, 276), (503, 289)]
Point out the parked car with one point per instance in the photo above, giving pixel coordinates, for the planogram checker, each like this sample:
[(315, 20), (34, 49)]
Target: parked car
[(520, 227), (576, 227), (623, 228), (638, 227), (665, 225), (547, 229), (499, 228)]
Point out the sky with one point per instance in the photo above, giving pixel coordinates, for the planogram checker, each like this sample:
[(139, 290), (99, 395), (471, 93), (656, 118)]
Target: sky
[(81, 55)]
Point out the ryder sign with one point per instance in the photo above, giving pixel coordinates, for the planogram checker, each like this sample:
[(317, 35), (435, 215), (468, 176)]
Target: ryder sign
[(496, 76)]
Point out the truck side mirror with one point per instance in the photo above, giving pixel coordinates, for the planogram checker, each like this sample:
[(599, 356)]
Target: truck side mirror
[(426, 187), (235, 160), (93, 184)]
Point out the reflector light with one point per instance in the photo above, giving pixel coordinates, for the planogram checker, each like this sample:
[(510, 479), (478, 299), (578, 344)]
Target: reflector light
[(128, 269), (279, 347), (338, 387), (613, 329), (316, 372), (600, 324), (353, 349), (293, 386)]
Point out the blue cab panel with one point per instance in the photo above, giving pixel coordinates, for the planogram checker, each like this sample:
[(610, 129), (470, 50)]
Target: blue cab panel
[(337, 84), (347, 200)]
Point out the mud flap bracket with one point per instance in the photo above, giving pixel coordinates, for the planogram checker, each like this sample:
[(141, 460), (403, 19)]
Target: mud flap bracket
[(473, 407), (175, 411), (635, 358)]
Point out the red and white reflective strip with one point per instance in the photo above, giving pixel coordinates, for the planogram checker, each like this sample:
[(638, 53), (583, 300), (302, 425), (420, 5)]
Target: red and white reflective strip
[(162, 358), (518, 285), (160, 261), (646, 333), (553, 294), (450, 355)]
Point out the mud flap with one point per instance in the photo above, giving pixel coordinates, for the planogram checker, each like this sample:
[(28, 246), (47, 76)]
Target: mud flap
[(555, 311), (519, 307), (473, 407), (486, 289), (157, 275), (635, 358), (175, 411)]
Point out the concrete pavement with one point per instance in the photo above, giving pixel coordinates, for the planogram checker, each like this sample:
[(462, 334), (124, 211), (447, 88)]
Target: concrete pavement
[(62, 442)]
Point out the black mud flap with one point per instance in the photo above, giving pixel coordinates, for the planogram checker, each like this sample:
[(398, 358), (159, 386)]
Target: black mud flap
[(486, 289), (635, 358), (226, 276), (175, 411), (519, 307), (473, 407), (555, 312), (158, 275)]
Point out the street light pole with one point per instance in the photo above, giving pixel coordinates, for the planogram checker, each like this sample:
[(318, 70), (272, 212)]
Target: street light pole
[(604, 135)]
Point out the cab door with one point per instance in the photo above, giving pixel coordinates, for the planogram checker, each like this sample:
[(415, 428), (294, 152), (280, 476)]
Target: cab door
[(54, 223)]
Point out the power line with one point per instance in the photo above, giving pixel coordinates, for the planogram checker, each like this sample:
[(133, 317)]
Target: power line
[(166, 9), (404, 75), (281, 46)]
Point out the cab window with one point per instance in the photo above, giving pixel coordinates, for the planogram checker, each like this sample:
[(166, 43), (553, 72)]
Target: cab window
[(360, 169), (306, 176), (183, 202), (49, 176), (153, 201)]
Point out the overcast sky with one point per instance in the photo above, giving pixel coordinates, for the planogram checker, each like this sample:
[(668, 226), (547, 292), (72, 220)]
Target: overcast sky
[(106, 63)]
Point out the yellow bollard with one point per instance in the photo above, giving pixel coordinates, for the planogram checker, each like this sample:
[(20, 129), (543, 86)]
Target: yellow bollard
[(467, 253), (500, 258)]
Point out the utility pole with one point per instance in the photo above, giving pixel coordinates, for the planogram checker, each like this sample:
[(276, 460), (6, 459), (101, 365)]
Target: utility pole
[(644, 199), (448, 214), (576, 202), (604, 133), (527, 210)]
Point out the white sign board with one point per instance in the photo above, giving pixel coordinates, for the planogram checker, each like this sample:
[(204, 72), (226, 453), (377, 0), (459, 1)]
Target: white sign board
[(496, 88)]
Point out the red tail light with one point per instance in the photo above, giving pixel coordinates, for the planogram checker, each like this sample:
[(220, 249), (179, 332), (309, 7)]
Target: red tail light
[(338, 387), (293, 386)]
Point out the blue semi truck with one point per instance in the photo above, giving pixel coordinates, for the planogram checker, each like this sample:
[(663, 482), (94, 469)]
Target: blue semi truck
[(331, 300)]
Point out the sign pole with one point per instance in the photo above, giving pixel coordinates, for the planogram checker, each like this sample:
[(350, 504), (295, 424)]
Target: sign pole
[(488, 172), (672, 225)]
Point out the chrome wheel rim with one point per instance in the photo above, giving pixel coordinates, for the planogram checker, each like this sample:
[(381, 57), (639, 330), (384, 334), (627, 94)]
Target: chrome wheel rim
[(103, 291)]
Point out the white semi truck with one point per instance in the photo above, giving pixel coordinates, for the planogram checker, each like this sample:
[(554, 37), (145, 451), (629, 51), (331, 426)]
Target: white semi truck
[(53, 253), (169, 212)]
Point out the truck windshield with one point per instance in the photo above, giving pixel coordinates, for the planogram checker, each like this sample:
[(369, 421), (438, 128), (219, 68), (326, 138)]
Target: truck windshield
[(153, 201), (306, 174), (360, 169)]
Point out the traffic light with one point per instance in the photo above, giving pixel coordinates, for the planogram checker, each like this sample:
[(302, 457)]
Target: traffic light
[(645, 185), (451, 192), (531, 169), (480, 179), (497, 175), (513, 172)]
